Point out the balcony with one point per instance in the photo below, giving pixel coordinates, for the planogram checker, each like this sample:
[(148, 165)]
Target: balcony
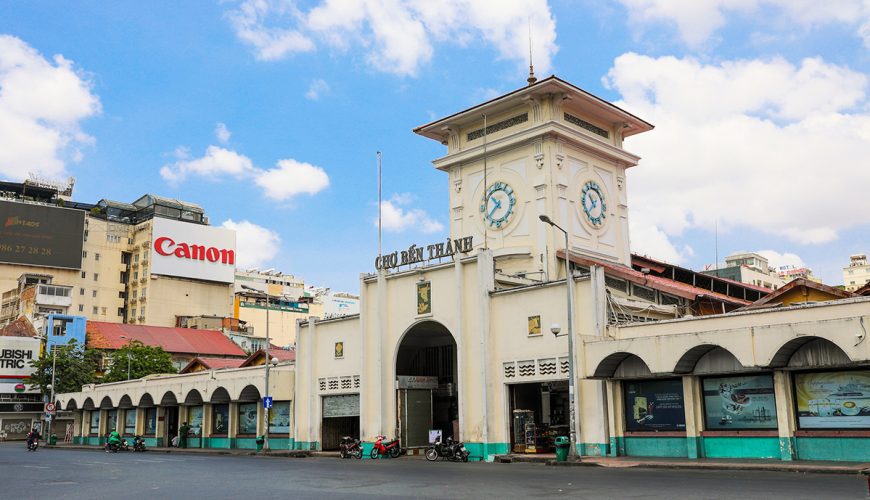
[(54, 295)]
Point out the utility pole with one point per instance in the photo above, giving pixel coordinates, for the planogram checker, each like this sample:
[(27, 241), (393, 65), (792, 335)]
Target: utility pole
[(266, 390)]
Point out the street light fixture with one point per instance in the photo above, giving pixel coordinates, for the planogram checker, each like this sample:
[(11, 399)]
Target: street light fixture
[(569, 283), (269, 361)]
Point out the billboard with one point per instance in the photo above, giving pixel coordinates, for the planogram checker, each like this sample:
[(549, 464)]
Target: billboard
[(654, 405), (188, 250), (41, 235), (833, 400), (745, 402), (16, 353)]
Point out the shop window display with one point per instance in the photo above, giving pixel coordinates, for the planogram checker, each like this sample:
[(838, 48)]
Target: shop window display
[(654, 405), (833, 400), (742, 402)]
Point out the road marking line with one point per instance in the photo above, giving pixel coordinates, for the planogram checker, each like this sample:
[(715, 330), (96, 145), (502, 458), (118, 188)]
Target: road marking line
[(36, 466)]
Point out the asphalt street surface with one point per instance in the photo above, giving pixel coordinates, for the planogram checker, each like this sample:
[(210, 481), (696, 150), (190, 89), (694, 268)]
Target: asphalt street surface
[(94, 474)]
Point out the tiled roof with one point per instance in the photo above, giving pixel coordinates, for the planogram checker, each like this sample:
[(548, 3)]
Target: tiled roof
[(213, 363), (102, 335), (642, 260), (772, 299), (666, 285), (281, 355), (21, 327)]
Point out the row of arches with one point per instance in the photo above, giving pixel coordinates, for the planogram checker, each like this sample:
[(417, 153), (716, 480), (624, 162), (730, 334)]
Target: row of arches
[(801, 352), (249, 393)]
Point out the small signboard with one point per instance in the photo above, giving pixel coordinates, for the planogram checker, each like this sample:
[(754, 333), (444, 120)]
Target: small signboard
[(416, 382), (434, 435), (267, 402), (49, 408)]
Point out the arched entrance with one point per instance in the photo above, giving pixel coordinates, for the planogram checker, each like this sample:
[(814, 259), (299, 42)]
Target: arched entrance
[(426, 382)]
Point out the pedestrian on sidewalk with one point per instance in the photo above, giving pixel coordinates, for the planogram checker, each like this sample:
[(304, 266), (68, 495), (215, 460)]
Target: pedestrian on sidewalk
[(182, 435)]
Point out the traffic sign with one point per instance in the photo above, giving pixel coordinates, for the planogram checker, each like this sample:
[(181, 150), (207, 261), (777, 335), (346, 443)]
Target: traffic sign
[(49, 408), (267, 402)]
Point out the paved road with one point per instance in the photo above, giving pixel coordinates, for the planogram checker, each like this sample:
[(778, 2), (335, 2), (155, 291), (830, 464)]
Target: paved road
[(94, 474)]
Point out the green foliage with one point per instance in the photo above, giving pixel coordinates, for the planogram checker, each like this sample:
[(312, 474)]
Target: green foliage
[(75, 367), (140, 359)]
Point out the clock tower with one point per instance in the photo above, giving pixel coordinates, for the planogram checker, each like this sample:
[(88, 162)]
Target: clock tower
[(546, 149)]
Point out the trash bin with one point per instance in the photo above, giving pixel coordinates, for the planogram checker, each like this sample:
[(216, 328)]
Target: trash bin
[(562, 445), (52, 440), (260, 442)]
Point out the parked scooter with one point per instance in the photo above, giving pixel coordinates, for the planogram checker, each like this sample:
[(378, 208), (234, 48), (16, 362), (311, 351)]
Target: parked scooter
[(124, 446), (391, 449), (350, 447), (450, 450), (138, 443)]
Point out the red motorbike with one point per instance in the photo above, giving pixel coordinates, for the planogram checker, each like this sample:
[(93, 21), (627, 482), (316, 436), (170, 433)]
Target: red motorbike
[(391, 449), (350, 447)]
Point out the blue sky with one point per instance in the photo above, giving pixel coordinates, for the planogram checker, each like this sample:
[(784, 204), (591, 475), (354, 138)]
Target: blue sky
[(269, 113)]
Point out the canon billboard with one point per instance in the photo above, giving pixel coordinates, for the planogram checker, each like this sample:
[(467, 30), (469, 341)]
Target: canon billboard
[(40, 235), (188, 250)]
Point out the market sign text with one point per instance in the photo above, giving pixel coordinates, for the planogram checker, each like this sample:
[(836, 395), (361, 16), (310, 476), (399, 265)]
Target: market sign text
[(415, 254)]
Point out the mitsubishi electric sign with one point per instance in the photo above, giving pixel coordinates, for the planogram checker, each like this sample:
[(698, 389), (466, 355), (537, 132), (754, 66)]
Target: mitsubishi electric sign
[(188, 250), (16, 353)]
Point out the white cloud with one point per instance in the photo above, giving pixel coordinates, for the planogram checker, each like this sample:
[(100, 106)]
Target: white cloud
[(399, 36), (42, 104), (397, 216), (222, 133), (288, 179), (760, 144), (216, 162), (777, 260), (291, 178), (697, 20), (316, 89), (255, 245)]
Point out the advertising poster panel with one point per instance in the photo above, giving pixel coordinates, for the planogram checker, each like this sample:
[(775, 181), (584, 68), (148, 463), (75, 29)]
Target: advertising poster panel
[(744, 402), (189, 250), (654, 405), (40, 235), (833, 400), (279, 418), (16, 353)]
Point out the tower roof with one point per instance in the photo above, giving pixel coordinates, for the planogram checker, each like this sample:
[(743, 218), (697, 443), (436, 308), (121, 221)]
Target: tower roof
[(548, 86)]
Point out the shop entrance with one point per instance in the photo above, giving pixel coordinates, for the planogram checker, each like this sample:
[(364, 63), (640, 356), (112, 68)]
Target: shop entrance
[(539, 413), (340, 418), (170, 414), (426, 397)]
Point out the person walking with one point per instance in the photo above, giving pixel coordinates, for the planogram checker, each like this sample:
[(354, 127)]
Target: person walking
[(183, 431)]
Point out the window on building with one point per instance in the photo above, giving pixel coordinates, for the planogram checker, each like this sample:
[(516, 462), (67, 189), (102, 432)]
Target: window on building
[(130, 422), (134, 313), (94, 293), (121, 312), (84, 254), (84, 274), (142, 312), (122, 295), (95, 423), (81, 308), (95, 310), (96, 276), (135, 258), (96, 256), (135, 275), (143, 292), (103, 310), (247, 418), (220, 419), (151, 421), (81, 291)]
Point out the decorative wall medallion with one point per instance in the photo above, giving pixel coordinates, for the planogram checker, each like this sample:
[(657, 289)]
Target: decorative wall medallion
[(424, 297), (497, 206), (593, 202), (339, 350)]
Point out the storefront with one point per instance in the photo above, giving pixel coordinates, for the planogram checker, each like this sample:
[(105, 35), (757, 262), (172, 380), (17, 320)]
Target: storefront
[(539, 413), (340, 418), (21, 406)]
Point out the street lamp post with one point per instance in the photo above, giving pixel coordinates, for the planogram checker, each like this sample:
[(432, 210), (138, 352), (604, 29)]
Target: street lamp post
[(266, 296), (51, 387), (569, 282)]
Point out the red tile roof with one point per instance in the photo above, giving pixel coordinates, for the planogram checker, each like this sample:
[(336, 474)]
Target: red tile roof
[(213, 363), (21, 327), (771, 300), (281, 355), (102, 335), (662, 284), (644, 261)]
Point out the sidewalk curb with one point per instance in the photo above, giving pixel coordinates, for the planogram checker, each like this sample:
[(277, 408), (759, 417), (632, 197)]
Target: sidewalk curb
[(726, 467), (196, 451)]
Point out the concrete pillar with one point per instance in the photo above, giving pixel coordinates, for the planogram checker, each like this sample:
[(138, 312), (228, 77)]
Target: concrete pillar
[(104, 424), (693, 398), (593, 436), (261, 416), (616, 417), (459, 291), (485, 284), (206, 425), (311, 426), (232, 429), (140, 421), (785, 414), (160, 432)]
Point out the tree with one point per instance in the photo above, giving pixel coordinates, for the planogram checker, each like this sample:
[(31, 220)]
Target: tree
[(140, 360), (75, 366)]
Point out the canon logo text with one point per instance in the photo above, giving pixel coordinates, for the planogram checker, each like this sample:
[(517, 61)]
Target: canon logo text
[(167, 246)]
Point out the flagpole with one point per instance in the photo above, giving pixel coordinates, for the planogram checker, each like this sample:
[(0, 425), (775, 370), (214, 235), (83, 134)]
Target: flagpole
[(379, 205)]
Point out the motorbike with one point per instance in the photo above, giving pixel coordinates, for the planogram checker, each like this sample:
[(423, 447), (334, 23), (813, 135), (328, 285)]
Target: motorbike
[(138, 443), (32, 444), (391, 449), (350, 447), (450, 450), (113, 447), (124, 445)]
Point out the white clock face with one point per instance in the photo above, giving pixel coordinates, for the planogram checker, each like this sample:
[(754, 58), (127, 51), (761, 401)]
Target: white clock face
[(497, 206), (593, 203)]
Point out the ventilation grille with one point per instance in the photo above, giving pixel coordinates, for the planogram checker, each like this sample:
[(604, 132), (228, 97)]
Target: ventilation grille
[(586, 125), (510, 370), (495, 127), (547, 366)]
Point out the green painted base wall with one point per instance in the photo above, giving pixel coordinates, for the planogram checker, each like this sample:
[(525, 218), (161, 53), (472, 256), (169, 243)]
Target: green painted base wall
[(246, 443), (153, 442), (486, 451), (741, 447), (222, 443), (311, 445), (655, 446), (833, 448), (593, 449)]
